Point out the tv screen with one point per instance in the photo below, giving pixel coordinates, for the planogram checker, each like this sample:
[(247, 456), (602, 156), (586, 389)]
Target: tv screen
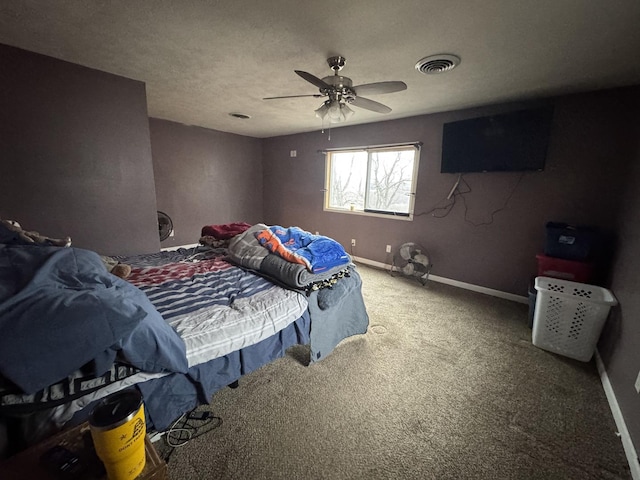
[(510, 142)]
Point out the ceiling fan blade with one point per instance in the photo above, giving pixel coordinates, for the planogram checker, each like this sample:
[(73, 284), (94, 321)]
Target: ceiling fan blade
[(315, 95), (370, 105), (312, 79), (379, 87)]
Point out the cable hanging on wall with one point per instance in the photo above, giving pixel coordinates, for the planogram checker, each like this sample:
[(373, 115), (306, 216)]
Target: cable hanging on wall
[(455, 192)]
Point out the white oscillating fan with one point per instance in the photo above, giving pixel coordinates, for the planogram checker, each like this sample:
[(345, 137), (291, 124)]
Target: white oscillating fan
[(412, 260)]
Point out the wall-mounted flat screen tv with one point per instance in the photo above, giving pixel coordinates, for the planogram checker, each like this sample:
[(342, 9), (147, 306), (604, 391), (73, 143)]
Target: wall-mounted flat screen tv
[(510, 142)]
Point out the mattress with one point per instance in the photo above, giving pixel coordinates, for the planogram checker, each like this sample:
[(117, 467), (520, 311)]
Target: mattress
[(215, 307)]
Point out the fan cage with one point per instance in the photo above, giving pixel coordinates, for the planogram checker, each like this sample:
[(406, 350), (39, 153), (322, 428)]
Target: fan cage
[(412, 260), (165, 226)]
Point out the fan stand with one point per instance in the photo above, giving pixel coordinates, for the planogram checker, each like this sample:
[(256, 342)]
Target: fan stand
[(423, 279)]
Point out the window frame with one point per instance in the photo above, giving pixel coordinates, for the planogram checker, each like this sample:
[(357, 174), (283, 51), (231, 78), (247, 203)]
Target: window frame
[(416, 147)]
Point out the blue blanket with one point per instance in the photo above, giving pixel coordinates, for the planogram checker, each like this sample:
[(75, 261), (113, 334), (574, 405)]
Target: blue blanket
[(60, 309), (318, 252)]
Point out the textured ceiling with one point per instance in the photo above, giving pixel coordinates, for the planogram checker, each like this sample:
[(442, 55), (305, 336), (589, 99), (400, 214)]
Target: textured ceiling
[(202, 60)]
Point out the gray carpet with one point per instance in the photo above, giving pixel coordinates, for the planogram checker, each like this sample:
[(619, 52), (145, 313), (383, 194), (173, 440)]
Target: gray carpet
[(445, 385)]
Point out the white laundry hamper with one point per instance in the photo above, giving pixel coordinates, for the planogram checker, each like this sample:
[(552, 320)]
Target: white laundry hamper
[(569, 316)]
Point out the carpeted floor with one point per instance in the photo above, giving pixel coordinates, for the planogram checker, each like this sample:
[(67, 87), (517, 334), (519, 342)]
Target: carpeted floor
[(445, 385)]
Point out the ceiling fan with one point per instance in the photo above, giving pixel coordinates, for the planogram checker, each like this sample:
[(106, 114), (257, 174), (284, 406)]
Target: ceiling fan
[(340, 92)]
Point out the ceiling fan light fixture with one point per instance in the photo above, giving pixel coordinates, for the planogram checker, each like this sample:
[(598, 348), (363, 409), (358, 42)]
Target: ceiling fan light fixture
[(335, 111), (345, 111), (440, 63), (322, 111)]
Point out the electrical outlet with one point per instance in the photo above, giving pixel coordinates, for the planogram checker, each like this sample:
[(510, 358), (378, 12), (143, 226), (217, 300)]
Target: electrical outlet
[(293, 153), (388, 249), (637, 385), (353, 242), (317, 233)]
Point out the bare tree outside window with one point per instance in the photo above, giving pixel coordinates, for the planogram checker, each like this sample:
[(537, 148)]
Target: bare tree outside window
[(375, 180), (348, 179), (390, 181)]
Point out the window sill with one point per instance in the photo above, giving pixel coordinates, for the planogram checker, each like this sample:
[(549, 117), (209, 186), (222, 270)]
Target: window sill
[(362, 213)]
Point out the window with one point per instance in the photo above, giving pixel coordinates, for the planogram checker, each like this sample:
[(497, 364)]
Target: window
[(375, 181)]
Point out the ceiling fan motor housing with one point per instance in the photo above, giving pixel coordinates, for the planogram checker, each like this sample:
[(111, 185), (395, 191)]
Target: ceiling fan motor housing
[(340, 88)]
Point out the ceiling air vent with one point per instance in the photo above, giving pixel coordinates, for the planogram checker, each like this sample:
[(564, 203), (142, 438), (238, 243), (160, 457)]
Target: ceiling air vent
[(437, 64)]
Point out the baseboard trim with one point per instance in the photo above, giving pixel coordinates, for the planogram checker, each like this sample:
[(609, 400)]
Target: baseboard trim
[(625, 437), (627, 443), (435, 278), (455, 283)]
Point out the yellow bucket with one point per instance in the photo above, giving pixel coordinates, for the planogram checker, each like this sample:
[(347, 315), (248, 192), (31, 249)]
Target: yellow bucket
[(118, 430)]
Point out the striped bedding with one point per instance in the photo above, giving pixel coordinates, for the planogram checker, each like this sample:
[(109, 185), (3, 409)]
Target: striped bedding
[(232, 321), (215, 307)]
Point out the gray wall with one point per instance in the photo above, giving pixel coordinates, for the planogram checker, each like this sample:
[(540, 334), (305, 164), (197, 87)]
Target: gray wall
[(75, 159), (205, 177), (586, 169), (620, 342), (75, 156), (591, 177)]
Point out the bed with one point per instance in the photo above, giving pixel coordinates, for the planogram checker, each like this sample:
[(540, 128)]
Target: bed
[(185, 324)]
